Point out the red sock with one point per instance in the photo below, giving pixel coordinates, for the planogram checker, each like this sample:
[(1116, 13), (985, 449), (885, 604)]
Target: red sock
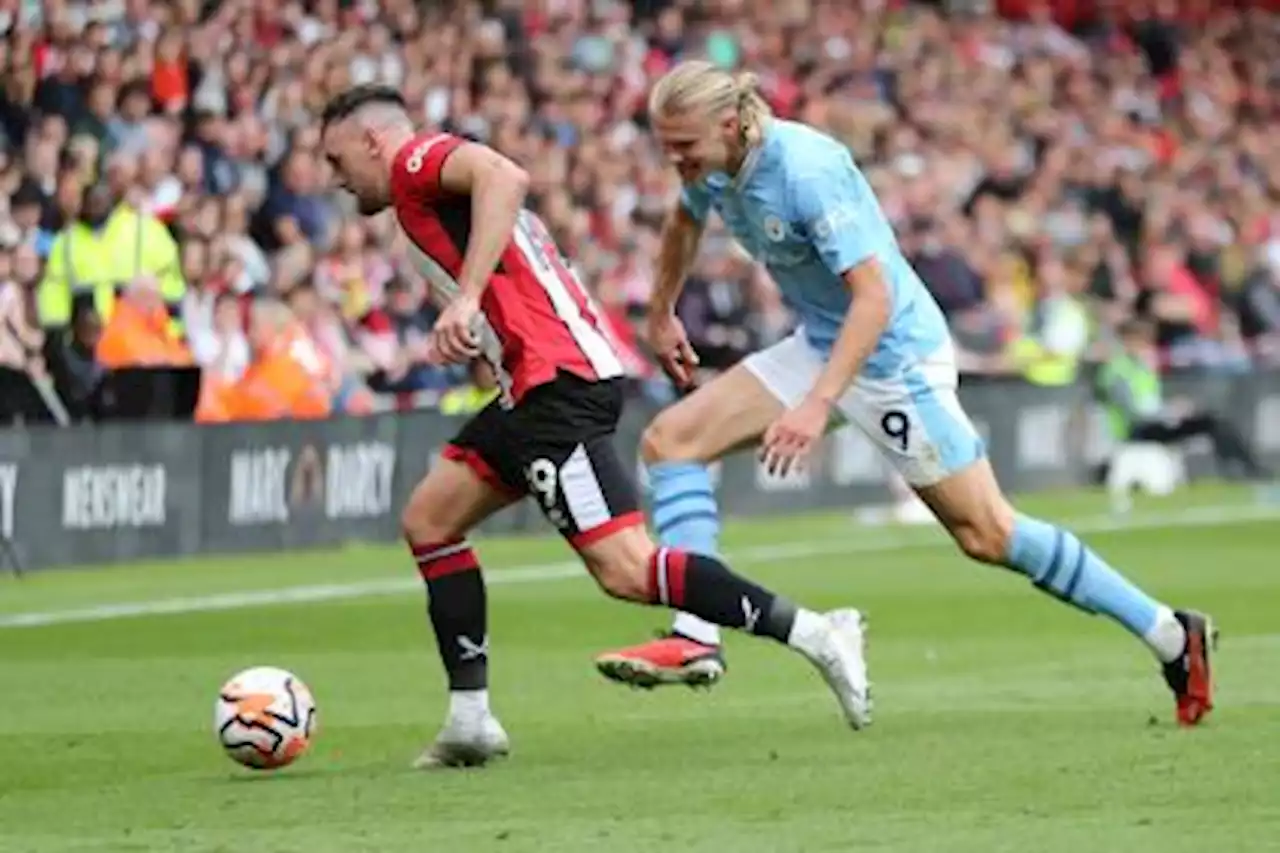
[(437, 559), (667, 569)]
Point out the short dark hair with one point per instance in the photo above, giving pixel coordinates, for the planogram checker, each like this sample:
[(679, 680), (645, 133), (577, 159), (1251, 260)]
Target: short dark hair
[(343, 105)]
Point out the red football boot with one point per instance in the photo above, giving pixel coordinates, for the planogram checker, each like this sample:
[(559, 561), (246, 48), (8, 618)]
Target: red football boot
[(1189, 676), (670, 659)]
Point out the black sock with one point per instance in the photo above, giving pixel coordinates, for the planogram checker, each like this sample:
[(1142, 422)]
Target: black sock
[(458, 609), (707, 588)]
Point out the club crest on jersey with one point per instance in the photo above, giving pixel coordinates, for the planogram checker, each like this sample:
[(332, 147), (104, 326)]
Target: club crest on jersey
[(774, 229)]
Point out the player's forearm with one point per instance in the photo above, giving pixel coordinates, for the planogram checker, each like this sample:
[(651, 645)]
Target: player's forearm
[(865, 322), (496, 201), (680, 236)]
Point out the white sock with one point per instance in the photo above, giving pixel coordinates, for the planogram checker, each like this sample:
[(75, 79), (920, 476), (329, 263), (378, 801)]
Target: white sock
[(698, 630), (807, 631), (1167, 638), (468, 704)]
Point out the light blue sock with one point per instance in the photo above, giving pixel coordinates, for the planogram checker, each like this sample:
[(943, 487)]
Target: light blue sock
[(1063, 566), (683, 506)]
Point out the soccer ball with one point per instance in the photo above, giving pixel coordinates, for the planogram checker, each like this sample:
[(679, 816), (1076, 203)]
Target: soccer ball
[(264, 717)]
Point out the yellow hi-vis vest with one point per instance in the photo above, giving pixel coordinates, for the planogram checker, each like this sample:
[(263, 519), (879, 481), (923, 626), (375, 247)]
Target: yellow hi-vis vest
[(100, 263), (1039, 366), (1042, 366), (466, 400)]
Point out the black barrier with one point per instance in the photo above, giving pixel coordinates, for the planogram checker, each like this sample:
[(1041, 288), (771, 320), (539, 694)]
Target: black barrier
[(119, 492), (148, 393), (310, 483), (101, 494), (20, 401)]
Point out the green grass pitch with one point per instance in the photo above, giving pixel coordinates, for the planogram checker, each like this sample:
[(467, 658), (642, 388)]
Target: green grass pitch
[(1005, 721)]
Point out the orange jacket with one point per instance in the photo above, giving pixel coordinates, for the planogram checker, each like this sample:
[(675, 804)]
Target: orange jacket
[(275, 386), (215, 393), (300, 343), (135, 337), (297, 341)]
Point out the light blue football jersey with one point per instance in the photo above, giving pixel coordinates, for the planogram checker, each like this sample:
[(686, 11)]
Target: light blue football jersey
[(801, 206)]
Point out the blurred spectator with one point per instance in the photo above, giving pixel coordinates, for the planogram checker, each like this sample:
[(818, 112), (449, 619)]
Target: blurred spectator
[(27, 207), (960, 290), (139, 333), (480, 389), (294, 210), (1132, 396), (1057, 330), (1068, 161), (716, 310), (110, 246), (276, 384), (322, 347), (353, 275), (1259, 303), (1183, 313), (73, 360), (21, 340), (395, 340), (218, 341), (127, 129)]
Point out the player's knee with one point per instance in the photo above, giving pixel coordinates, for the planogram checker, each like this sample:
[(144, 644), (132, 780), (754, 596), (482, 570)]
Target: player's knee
[(669, 438), (986, 538), (426, 518)]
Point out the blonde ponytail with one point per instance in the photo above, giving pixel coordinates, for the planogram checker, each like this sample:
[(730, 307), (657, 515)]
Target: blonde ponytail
[(753, 110), (700, 86)]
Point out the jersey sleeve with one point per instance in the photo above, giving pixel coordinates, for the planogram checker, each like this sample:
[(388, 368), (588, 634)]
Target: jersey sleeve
[(828, 204), (416, 171), (696, 201)]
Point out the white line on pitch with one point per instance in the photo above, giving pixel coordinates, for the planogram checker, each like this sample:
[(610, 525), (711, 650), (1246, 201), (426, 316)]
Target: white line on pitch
[(1207, 516)]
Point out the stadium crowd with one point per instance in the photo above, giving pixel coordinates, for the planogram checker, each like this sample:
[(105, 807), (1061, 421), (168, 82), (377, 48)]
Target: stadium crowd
[(163, 200)]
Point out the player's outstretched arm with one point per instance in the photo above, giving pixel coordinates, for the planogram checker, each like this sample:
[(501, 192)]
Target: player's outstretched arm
[(681, 234), (497, 188)]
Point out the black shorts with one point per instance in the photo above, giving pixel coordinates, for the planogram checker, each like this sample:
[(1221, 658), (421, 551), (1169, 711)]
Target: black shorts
[(556, 446)]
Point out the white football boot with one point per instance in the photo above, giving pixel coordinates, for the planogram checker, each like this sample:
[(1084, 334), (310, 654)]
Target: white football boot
[(466, 742), (839, 653)]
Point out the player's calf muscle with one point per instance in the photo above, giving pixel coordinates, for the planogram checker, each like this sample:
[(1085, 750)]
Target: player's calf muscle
[(620, 563), (974, 511), (986, 541)]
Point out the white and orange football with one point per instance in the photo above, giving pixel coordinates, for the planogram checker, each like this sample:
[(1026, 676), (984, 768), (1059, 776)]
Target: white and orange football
[(265, 717)]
